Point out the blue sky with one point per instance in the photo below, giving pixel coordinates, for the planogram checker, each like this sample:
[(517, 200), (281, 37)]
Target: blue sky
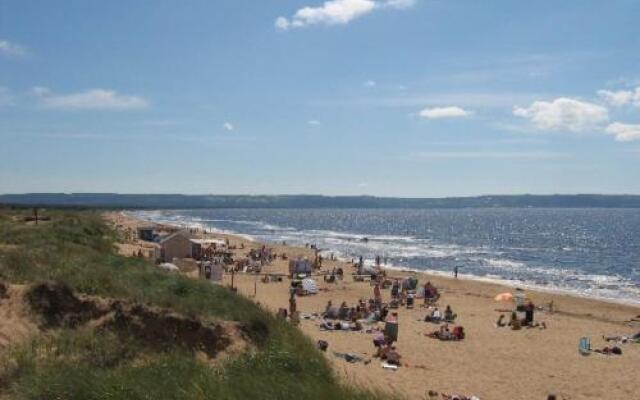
[(384, 97)]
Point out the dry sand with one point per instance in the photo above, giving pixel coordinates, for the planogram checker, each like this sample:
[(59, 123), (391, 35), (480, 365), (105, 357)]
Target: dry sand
[(492, 363)]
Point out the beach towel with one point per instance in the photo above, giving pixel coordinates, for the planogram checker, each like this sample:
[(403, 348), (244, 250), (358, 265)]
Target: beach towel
[(392, 367), (585, 346)]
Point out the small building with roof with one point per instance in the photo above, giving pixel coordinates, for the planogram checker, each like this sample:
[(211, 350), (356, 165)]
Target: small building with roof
[(176, 245)]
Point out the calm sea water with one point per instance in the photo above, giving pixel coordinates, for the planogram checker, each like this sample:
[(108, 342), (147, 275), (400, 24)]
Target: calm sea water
[(592, 252)]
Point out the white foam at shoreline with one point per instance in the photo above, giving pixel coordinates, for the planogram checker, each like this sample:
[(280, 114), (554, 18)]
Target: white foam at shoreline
[(624, 291)]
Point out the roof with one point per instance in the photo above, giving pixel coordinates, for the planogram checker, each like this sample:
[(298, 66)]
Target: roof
[(209, 241), (182, 233)]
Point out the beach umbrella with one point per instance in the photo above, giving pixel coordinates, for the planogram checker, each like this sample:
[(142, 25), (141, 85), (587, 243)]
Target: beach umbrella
[(504, 297)]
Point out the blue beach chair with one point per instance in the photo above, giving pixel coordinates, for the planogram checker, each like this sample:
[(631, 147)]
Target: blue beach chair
[(585, 346)]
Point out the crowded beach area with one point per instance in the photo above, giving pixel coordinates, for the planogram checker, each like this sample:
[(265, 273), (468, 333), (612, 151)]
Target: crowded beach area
[(411, 334)]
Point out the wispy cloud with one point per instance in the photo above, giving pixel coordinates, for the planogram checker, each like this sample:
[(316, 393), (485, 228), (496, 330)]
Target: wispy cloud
[(94, 99), (621, 98), (313, 122), (531, 155), (228, 126), (471, 99), (444, 112), (337, 12), (10, 49), (624, 132), (369, 84)]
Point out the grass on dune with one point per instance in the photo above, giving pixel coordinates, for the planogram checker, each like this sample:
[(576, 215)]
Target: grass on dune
[(77, 248)]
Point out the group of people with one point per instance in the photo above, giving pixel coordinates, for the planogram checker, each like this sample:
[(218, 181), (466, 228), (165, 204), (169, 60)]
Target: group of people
[(436, 316), (445, 333), (516, 323), (334, 275)]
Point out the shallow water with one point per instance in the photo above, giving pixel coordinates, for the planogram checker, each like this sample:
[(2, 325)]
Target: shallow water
[(591, 252)]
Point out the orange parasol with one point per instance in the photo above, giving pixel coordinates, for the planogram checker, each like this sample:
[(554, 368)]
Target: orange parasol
[(504, 297)]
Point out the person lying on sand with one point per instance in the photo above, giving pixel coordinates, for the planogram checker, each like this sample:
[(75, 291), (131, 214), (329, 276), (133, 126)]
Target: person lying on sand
[(458, 397), (623, 339), (609, 350), (389, 353), (444, 333), (340, 326)]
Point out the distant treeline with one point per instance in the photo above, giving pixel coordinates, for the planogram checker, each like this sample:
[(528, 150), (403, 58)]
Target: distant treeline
[(178, 201)]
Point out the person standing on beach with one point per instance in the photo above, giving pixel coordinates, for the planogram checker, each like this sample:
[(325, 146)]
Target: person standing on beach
[(376, 294), (292, 305), (455, 272)]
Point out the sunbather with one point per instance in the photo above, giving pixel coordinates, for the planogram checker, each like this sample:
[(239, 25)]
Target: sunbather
[(622, 338), (449, 316), (610, 350), (343, 311), (515, 323), (389, 353), (444, 333), (434, 316)]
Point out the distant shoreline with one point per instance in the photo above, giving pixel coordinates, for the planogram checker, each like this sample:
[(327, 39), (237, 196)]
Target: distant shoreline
[(179, 201)]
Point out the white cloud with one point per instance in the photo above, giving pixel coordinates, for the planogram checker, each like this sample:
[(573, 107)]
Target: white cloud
[(624, 132), (621, 97), (564, 114), (93, 99), (369, 84), (11, 49), (336, 12), (313, 122), (5, 97), (400, 3), (444, 112), (228, 126)]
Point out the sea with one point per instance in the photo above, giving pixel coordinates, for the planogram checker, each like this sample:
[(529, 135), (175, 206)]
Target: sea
[(586, 252)]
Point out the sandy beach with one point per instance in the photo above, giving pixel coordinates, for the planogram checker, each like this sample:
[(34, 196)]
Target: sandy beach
[(491, 362)]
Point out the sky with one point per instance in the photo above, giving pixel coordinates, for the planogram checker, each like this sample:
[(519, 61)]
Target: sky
[(406, 98)]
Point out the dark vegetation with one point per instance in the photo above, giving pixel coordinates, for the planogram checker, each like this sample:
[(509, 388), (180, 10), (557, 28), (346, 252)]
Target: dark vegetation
[(178, 201), (71, 258)]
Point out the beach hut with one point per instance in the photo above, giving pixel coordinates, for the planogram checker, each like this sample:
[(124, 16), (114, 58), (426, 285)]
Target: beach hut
[(176, 245), (145, 233)]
